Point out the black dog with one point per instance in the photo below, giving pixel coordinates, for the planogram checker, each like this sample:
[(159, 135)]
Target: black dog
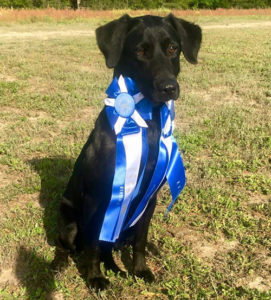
[(147, 49)]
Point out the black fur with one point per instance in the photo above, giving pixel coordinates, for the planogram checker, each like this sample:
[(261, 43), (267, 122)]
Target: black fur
[(147, 49)]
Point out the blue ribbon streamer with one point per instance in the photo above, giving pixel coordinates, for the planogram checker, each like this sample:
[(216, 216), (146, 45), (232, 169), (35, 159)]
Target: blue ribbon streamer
[(112, 213), (175, 173)]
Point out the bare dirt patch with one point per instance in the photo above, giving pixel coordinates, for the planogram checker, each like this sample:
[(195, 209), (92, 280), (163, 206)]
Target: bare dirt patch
[(85, 114), (217, 95), (7, 78), (267, 261), (6, 177), (56, 296), (238, 25), (8, 276), (210, 253), (258, 282), (10, 110), (2, 126), (200, 246), (36, 115), (45, 35), (259, 199), (24, 199), (32, 115), (20, 201)]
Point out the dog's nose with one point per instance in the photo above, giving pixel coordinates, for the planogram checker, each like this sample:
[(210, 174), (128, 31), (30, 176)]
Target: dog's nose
[(168, 88)]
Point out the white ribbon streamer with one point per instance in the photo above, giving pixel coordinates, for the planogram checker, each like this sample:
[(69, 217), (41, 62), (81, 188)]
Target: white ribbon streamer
[(122, 85), (133, 151)]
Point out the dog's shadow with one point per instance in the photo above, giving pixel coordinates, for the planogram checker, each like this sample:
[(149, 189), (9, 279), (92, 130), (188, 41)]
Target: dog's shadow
[(54, 175), (35, 275), (34, 272)]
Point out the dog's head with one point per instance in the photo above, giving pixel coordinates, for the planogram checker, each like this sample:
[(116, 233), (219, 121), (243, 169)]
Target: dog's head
[(147, 49)]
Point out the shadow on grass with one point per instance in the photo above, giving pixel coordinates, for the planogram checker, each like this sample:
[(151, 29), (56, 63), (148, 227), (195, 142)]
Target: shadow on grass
[(35, 274), (33, 271), (54, 174)]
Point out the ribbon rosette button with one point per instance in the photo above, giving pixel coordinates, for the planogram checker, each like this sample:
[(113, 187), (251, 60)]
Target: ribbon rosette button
[(124, 105), (121, 105)]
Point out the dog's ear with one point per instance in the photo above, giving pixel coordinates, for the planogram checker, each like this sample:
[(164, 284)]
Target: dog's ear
[(190, 37), (111, 37)]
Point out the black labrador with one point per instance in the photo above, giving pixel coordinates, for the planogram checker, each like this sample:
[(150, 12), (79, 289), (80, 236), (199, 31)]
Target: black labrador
[(147, 49)]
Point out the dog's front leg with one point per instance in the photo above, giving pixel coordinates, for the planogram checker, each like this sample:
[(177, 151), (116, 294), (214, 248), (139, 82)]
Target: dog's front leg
[(140, 268), (95, 278), (107, 258)]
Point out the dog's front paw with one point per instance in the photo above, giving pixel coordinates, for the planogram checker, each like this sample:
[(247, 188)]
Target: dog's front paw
[(111, 266), (145, 274), (116, 271), (98, 283), (61, 260)]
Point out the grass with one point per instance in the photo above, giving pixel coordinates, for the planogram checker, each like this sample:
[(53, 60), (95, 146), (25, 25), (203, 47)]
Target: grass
[(215, 244)]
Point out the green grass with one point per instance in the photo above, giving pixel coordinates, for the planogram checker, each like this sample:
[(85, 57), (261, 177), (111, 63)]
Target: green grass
[(215, 244)]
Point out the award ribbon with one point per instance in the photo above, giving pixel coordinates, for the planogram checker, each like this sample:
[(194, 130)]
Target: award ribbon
[(127, 110)]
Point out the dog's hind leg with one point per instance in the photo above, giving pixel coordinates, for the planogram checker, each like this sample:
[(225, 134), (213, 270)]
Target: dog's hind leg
[(67, 231), (140, 268), (93, 218), (67, 225)]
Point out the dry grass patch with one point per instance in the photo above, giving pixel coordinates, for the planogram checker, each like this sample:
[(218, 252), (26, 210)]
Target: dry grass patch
[(34, 15)]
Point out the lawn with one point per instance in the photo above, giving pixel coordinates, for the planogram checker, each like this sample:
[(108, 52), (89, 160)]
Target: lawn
[(216, 242)]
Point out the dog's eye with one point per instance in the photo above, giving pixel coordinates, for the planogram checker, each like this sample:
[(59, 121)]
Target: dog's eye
[(171, 49), (140, 52)]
